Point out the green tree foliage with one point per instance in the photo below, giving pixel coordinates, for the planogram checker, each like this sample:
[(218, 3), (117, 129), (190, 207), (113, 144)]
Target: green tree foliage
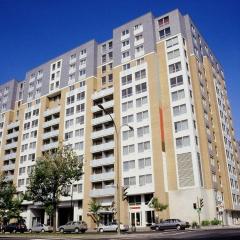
[(10, 202), (158, 207), (94, 208), (53, 172)]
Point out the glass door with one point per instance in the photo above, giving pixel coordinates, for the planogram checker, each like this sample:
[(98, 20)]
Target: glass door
[(135, 219)]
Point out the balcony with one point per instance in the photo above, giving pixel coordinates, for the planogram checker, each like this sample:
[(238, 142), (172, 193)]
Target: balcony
[(102, 147), (102, 161), (51, 111), (13, 125), (103, 192), (12, 135), (10, 145), (9, 178), (49, 146), (103, 119), (124, 37), (138, 42), (103, 176), (10, 156), (8, 167), (102, 133), (138, 30), (50, 134), (51, 122), (106, 105), (102, 93)]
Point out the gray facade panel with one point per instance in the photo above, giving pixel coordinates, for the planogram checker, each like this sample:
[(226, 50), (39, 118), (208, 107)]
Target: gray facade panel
[(148, 35)]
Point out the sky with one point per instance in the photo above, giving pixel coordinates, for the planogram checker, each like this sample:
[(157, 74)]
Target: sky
[(34, 31)]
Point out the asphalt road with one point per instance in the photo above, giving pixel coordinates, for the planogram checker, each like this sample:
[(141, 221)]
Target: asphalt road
[(223, 234)]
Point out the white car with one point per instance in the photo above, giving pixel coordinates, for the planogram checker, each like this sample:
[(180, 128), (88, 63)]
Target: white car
[(39, 227), (112, 227)]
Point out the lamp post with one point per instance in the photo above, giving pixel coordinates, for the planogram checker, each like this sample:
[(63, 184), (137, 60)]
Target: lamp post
[(117, 192)]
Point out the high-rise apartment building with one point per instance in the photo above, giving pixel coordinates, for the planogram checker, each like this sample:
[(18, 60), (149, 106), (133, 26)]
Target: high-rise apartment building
[(157, 75)]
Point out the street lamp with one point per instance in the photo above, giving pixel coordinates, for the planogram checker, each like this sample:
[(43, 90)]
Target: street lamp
[(117, 164)]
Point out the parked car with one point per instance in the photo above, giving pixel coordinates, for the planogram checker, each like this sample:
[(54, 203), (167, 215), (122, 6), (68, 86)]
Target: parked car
[(170, 224), (112, 227), (72, 226), (14, 227), (39, 227)]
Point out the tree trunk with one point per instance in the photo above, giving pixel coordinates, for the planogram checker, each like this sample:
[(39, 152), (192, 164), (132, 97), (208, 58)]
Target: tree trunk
[(54, 217)]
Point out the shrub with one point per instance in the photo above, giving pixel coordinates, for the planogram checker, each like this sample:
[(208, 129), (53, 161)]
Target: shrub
[(215, 222), (205, 223)]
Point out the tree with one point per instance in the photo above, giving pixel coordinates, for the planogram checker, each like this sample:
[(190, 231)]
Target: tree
[(158, 207), (94, 208), (10, 202), (53, 172)]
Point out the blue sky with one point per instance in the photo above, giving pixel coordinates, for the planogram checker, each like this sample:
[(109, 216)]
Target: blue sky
[(34, 31)]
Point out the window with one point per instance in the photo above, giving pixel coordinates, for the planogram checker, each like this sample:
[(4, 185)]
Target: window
[(26, 126), (127, 92), (145, 179), (22, 170), (34, 123), (138, 37), (32, 145), (127, 79), (70, 99), (69, 123), (141, 87), (143, 146), (139, 49), (127, 105), (172, 42), (84, 51), (144, 162), (163, 21), (20, 182), (125, 43), (141, 101), (127, 134), (181, 125), (138, 26), (140, 61), (173, 54), (178, 95), (142, 116), (125, 32), (80, 108), (142, 131), (68, 135), (128, 165), (183, 142), (79, 146), (80, 120), (178, 110), (103, 80), (140, 74), (104, 47), (110, 55), (164, 33), (110, 78), (126, 66), (128, 119), (129, 181), (128, 149), (176, 81), (125, 54), (80, 96), (70, 111), (79, 132), (34, 134), (175, 67), (82, 72)]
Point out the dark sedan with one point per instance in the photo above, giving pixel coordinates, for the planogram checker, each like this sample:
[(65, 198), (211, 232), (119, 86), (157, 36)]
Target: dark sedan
[(14, 227), (170, 224)]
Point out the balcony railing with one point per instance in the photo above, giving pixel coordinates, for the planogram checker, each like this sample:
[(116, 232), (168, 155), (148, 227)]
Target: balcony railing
[(102, 147), (103, 192), (102, 161)]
